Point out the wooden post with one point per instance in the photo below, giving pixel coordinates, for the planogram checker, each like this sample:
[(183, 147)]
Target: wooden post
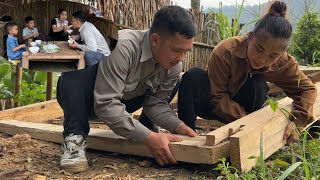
[(49, 85), (195, 9), (17, 86)]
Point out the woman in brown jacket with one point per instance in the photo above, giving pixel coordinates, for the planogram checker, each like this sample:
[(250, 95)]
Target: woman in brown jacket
[(234, 83)]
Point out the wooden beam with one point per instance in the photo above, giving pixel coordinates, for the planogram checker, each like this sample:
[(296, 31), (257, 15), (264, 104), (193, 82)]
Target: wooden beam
[(246, 143), (192, 150), (219, 135), (309, 69), (208, 123), (39, 112), (313, 75)]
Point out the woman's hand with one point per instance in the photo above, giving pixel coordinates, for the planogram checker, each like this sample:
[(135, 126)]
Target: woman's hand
[(65, 27), (291, 134)]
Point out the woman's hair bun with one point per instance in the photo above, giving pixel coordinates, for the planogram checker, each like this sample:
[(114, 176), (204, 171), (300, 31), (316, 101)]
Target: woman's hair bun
[(278, 8)]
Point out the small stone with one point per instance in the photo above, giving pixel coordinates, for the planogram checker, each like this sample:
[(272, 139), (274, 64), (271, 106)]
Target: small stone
[(145, 163), (19, 160)]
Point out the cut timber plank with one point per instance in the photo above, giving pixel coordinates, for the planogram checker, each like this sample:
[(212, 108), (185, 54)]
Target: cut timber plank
[(208, 123), (309, 69), (246, 143), (39, 112), (221, 134), (191, 150)]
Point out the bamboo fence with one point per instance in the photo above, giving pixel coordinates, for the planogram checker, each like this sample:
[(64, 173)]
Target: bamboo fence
[(198, 57), (205, 33), (137, 14)]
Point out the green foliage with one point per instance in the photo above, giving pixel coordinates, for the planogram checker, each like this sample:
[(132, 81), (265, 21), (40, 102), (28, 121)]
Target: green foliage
[(273, 104), (33, 87), (4, 70), (32, 93), (5, 92), (5, 82), (227, 172), (306, 39), (222, 26)]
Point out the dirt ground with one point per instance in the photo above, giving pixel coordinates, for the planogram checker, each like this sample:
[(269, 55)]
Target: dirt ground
[(24, 158)]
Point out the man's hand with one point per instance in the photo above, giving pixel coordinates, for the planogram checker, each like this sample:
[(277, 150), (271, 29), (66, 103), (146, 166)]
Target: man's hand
[(291, 134), (74, 45), (158, 144), (183, 129)]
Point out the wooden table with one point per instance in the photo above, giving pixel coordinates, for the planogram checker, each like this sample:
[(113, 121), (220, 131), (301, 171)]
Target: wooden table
[(66, 55), (67, 59)]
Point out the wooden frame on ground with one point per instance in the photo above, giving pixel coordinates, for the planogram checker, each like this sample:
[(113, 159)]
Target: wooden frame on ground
[(238, 140)]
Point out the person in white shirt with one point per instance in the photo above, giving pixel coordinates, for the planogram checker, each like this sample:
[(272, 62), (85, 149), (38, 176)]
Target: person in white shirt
[(93, 43)]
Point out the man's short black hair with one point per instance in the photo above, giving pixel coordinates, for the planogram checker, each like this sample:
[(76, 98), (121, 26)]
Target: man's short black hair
[(28, 19), (80, 15), (174, 19), (10, 25)]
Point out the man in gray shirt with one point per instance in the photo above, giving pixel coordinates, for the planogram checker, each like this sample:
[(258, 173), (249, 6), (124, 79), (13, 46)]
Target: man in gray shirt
[(142, 71), (94, 44)]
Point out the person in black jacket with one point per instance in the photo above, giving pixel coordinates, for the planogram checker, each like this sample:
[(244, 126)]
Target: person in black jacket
[(59, 26)]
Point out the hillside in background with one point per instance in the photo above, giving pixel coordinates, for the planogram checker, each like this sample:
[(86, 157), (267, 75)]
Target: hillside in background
[(250, 13)]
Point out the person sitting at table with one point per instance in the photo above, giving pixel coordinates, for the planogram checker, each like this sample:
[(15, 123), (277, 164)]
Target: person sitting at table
[(59, 27), (14, 50), (30, 31), (93, 43)]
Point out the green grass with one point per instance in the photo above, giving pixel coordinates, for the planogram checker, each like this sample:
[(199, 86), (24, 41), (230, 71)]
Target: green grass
[(304, 164)]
